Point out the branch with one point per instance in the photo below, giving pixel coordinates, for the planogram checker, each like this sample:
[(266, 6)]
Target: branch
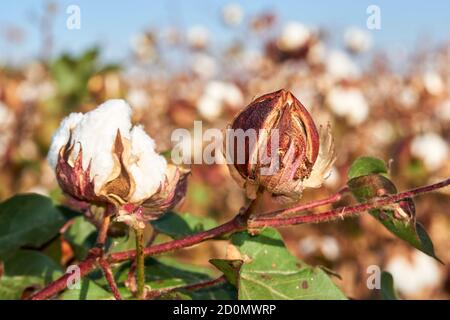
[(104, 265), (239, 223), (191, 287)]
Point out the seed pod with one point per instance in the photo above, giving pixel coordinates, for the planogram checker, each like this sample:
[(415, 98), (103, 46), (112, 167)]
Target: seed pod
[(299, 156)]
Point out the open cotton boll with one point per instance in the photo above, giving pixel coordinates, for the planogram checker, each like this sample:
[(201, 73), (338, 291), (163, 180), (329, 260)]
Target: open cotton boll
[(415, 275), (216, 95), (294, 35), (431, 148), (349, 103), (357, 40), (433, 83), (94, 133), (443, 110), (340, 66), (198, 37), (232, 14), (145, 165)]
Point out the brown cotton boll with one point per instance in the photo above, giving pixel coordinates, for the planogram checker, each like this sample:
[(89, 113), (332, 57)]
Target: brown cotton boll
[(284, 152)]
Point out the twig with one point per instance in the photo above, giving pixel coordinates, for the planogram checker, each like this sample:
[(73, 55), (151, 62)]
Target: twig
[(191, 287), (140, 262), (104, 265)]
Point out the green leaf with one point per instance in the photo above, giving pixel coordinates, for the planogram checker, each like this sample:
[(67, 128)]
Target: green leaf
[(88, 290), (387, 287), (366, 165), (181, 225), (399, 218), (28, 219), (271, 272), (12, 288), (81, 235), (32, 263), (230, 269)]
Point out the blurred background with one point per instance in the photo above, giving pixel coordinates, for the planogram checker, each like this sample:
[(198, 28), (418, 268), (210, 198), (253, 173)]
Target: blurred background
[(378, 71)]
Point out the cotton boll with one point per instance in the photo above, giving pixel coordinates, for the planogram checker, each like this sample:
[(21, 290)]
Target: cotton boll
[(433, 83), (349, 103), (308, 245), (209, 107), (432, 149), (317, 53), (216, 95), (145, 165), (412, 277), (204, 66), (294, 35), (232, 14), (340, 66), (357, 40), (198, 37)]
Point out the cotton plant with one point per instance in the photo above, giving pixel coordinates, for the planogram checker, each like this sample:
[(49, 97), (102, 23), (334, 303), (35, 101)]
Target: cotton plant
[(100, 158)]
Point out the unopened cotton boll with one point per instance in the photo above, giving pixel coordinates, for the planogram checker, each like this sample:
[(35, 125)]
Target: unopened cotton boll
[(432, 149), (101, 157), (349, 103), (413, 276), (294, 35), (198, 37), (340, 66), (232, 14), (357, 40)]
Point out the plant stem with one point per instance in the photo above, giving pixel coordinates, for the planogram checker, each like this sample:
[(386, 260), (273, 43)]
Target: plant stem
[(104, 265), (235, 225), (140, 275), (191, 287)]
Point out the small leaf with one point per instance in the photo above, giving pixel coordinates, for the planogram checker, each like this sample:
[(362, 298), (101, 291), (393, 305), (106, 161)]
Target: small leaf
[(28, 219), (181, 225), (88, 290), (399, 218), (366, 165), (31, 263), (81, 235), (387, 287), (230, 269), (271, 272)]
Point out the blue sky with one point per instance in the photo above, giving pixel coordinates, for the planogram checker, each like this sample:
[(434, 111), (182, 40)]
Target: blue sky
[(112, 23)]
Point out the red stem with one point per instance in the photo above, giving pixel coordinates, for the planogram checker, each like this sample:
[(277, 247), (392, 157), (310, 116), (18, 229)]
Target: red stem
[(106, 268)]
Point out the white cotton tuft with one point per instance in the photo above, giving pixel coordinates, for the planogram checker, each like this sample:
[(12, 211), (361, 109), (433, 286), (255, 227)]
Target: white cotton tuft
[(432, 149), (61, 137), (357, 40), (340, 66), (145, 165), (433, 83), (216, 95), (349, 103), (412, 277), (95, 132), (293, 36), (198, 37), (232, 14)]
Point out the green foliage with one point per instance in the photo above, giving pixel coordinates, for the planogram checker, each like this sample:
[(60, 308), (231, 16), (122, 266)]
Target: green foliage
[(387, 287), (367, 165), (181, 225), (399, 218), (269, 271), (28, 220)]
